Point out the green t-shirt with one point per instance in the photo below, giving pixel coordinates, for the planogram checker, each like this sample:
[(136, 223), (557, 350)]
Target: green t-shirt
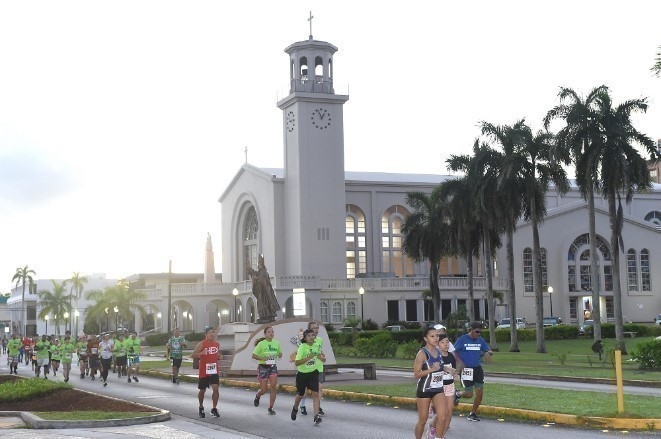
[(42, 348), (319, 342), (119, 348), (133, 346), (269, 349), (55, 353), (176, 346), (14, 346), (81, 349), (304, 351), (67, 350)]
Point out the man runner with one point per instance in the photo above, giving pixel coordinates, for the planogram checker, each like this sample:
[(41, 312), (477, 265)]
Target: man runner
[(134, 351), (67, 349), (42, 349), (13, 351), (208, 351), (174, 350)]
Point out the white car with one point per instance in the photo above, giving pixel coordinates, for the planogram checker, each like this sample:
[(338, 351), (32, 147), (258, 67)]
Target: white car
[(657, 319), (521, 323)]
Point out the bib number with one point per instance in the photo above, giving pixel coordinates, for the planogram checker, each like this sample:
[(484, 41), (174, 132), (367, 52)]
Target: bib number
[(94, 351), (68, 355), (436, 381), (212, 369), (270, 360), (311, 363), (467, 374)]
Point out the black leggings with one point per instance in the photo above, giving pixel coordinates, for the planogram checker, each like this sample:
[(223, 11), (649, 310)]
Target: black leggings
[(106, 364)]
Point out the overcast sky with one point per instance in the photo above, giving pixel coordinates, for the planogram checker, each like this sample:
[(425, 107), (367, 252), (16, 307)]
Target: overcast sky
[(122, 122)]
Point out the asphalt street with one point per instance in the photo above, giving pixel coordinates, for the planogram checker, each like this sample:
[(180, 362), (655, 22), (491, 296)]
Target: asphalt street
[(239, 418)]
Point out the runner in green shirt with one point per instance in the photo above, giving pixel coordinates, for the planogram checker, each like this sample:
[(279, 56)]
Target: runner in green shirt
[(134, 351), (55, 356), (307, 361), (83, 358), (314, 326), (14, 351), (42, 348), (174, 350), (67, 349), (266, 351), (120, 350)]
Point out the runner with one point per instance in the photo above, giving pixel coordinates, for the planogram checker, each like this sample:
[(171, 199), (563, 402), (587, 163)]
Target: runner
[(119, 348), (449, 375), (266, 351), (174, 350), (55, 356), (81, 351), (26, 351), (428, 369), (67, 349), (93, 355), (308, 357), (105, 351), (13, 351), (208, 351), (469, 348), (134, 351), (314, 326), (41, 349)]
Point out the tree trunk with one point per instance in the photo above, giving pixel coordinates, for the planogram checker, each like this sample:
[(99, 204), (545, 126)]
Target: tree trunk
[(511, 295), (537, 281), (594, 269), (617, 290), (435, 291), (490, 302), (471, 291)]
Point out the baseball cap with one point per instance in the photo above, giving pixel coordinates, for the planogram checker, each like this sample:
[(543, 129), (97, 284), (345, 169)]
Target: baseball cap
[(476, 325), (439, 327)]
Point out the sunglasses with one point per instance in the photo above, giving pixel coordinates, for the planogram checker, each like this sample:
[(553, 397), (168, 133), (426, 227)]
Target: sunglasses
[(477, 331)]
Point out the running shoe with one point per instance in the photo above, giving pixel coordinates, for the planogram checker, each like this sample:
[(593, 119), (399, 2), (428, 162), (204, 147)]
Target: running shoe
[(135, 378), (472, 417), (456, 398), (321, 412), (82, 376), (174, 380), (256, 401), (66, 380), (303, 411), (201, 410), (293, 413), (105, 384), (93, 377), (129, 380), (317, 420), (271, 411), (214, 413)]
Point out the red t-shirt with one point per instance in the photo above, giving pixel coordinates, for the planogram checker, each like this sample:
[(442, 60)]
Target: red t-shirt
[(209, 358)]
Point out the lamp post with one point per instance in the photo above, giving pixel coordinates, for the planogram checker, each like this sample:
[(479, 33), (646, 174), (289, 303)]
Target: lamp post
[(116, 313), (235, 293), (361, 291), (46, 318), (66, 317), (550, 290), (77, 314), (158, 320)]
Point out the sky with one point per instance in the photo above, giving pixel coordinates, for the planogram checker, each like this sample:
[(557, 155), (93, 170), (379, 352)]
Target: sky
[(122, 122)]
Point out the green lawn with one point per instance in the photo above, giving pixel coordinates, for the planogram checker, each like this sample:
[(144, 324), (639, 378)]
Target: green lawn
[(580, 361)]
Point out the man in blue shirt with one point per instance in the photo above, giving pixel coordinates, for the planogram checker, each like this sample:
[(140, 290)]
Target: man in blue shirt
[(470, 349)]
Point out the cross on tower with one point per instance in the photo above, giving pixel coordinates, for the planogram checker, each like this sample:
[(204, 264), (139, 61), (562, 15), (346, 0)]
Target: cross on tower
[(310, 20), (245, 151)]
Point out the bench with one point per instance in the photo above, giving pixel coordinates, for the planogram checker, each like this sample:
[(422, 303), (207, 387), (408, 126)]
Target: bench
[(631, 334), (369, 369)]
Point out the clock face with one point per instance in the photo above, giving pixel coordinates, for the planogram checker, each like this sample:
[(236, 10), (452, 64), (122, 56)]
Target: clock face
[(321, 118), (291, 121)]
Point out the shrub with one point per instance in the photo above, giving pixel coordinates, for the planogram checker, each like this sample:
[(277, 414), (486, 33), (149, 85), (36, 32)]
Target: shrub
[(370, 325), (409, 349), (381, 345), (648, 353), (329, 327), (157, 339)]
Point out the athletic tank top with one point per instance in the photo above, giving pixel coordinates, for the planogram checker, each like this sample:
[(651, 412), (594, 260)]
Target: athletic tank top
[(432, 383)]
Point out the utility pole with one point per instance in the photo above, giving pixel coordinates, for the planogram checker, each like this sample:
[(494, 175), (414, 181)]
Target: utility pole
[(170, 298)]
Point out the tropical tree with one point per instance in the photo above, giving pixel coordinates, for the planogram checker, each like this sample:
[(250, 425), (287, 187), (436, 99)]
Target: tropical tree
[(425, 236), (577, 143), (120, 297), (623, 172), (656, 68), (77, 286), (25, 277), (55, 302)]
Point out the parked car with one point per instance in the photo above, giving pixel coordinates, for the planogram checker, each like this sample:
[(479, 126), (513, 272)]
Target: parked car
[(521, 323), (585, 327), (394, 328), (349, 329), (657, 319), (552, 321)]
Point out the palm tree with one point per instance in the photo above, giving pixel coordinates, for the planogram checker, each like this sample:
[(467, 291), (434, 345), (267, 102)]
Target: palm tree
[(77, 285), (54, 302), (656, 68), (482, 171), (511, 185), (576, 142), (623, 172), (425, 236), (120, 297), (24, 276)]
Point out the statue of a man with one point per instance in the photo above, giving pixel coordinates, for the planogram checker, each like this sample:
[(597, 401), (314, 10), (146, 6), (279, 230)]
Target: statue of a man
[(267, 303)]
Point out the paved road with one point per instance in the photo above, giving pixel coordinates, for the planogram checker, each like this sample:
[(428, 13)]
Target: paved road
[(239, 418)]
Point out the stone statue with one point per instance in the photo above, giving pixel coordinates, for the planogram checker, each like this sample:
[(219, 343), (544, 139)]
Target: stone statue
[(267, 303)]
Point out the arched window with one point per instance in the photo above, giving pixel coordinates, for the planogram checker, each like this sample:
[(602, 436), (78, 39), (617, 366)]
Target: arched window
[(324, 312), (337, 313), (579, 277), (393, 258), (654, 217), (356, 252), (250, 240), (303, 65), (646, 281), (632, 270), (319, 68), (351, 309)]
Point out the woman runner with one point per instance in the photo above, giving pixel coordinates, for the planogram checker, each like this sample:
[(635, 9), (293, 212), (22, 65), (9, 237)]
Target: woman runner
[(428, 369), (266, 351)]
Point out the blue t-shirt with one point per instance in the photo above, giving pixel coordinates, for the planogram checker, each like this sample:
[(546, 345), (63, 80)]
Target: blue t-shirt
[(470, 350)]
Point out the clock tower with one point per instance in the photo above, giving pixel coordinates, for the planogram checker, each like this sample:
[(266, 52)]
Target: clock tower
[(314, 163)]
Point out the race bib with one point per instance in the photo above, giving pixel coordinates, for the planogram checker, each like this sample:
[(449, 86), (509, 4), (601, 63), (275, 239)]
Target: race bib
[(447, 376), (68, 355), (212, 369), (467, 374), (311, 363), (270, 360), (94, 351), (436, 381)]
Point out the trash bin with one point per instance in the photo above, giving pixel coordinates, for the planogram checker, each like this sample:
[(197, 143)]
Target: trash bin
[(196, 363)]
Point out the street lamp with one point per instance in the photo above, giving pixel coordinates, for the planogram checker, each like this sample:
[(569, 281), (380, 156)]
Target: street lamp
[(550, 290), (361, 290), (235, 292), (46, 318), (66, 317), (77, 314), (158, 317)]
